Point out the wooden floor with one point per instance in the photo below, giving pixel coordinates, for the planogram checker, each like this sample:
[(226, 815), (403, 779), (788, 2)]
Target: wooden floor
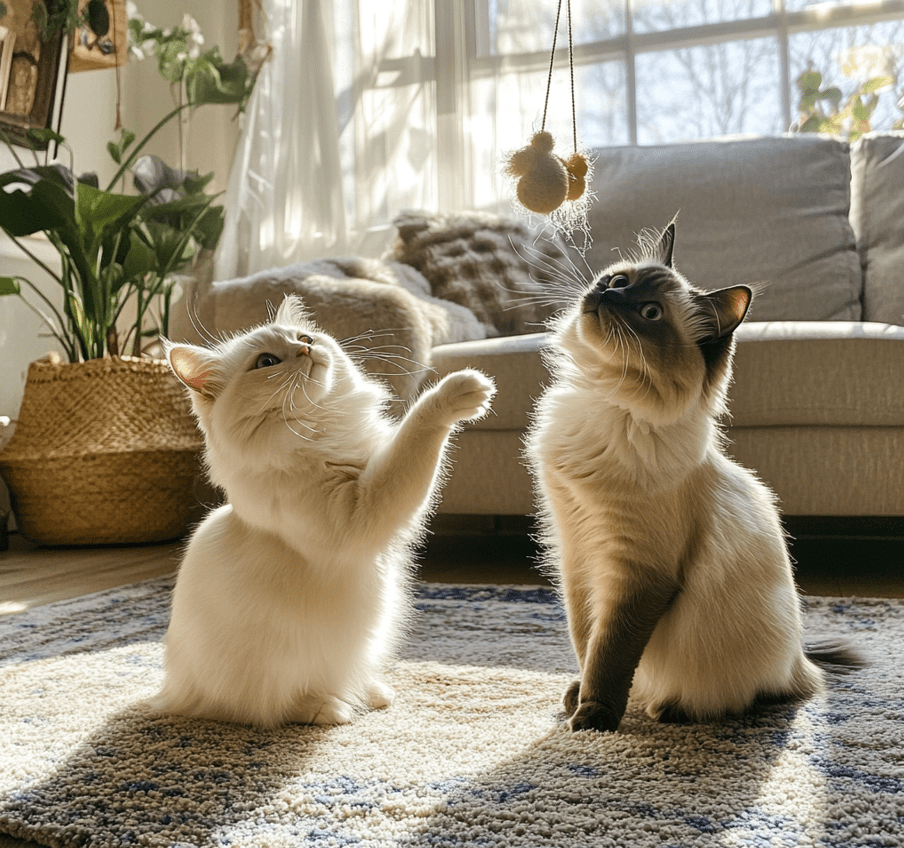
[(868, 563)]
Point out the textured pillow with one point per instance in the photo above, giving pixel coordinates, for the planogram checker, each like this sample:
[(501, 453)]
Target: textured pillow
[(495, 266), (877, 214), (751, 210)]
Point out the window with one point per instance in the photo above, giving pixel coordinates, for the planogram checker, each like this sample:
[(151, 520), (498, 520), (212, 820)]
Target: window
[(653, 71)]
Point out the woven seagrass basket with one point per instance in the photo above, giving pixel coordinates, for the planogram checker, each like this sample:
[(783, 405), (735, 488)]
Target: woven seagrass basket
[(104, 452)]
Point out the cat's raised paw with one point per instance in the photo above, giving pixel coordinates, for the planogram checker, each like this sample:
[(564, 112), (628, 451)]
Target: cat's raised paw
[(465, 395), (592, 715)]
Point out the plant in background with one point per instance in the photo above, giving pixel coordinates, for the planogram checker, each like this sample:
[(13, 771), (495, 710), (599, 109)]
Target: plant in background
[(824, 108), (119, 252), (198, 76)]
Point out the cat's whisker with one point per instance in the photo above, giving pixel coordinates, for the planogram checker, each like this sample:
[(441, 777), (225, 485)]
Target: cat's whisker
[(287, 379), (399, 368), (562, 269), (646, 375), (368, 335), (521, 302), (390, 357), (290, 400), (198, 325), (571, 271)]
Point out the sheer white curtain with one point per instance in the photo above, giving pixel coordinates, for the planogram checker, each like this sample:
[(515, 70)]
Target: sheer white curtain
[(342, 132)]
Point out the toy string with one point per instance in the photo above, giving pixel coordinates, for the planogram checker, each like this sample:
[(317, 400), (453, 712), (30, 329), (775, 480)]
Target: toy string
[(552, 56)]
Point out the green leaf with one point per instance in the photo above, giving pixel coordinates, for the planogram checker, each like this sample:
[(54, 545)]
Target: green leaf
[(118, 149), (44, 135), (169, 245), (100, 212), (172, 68), (812, 124), (83, 327), (140, 259), (209, 227), (876, 83), (112, 279), (210, 82), (9, 285), (46, 206), (861, 111), (809, 81)]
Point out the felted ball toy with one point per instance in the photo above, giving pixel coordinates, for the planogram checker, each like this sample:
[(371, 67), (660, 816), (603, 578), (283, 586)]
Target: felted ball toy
[(577, 167), (545, 180)]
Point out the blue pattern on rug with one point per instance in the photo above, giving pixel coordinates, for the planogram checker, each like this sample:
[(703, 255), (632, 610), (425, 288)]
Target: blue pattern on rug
[(474, 751)]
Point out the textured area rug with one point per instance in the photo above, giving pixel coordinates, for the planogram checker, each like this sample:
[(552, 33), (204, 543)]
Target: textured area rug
[(474, 752)]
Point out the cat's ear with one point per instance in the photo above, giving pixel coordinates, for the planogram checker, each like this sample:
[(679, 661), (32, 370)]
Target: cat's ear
[(292, 311), (666, 246), (722, 311), (193, 366)]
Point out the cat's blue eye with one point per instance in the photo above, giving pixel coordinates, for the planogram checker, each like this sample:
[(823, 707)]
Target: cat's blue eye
[(267, 360), (651, 311)]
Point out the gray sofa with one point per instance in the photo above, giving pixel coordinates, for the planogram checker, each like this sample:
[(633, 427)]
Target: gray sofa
[(817, 405)]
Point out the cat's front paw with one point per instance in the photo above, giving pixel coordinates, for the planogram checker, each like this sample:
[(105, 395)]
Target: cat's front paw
[(324, 710), (592, 715), (464, 395), (378, 695), (570, 698)]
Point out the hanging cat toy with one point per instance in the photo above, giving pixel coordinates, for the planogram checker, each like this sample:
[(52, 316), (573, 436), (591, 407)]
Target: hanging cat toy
[(545, 180)]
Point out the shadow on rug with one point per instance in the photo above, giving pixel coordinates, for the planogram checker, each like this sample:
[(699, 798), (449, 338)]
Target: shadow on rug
[(473, 752)]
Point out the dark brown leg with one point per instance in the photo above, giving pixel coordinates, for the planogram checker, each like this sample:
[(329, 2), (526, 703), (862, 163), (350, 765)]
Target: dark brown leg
[(620, 635)]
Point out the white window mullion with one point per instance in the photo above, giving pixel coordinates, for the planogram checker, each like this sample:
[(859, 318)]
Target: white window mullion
[(784, 53), (453, 171), (630, 74)]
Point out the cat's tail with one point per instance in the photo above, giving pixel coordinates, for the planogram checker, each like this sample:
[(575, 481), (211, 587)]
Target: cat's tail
[(833, 656)]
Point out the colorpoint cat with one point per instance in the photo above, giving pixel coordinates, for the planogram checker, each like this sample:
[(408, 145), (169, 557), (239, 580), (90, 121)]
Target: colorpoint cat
[(670, 556)]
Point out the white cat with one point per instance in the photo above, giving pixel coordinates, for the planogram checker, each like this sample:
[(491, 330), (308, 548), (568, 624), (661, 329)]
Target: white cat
[(292, 595), (670, 556)]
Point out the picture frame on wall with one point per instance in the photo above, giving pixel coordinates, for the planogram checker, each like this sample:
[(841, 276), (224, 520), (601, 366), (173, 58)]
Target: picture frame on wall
[(32, 95), (7, 45), (107, 46)]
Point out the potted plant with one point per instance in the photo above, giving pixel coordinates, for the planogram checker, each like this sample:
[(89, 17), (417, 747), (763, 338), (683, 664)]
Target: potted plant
[(105, 449)]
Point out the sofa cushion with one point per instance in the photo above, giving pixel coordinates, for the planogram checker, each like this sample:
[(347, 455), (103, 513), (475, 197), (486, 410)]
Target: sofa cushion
[(877, 215), (825, 373), (495, 266), (514, 363), (786, 374), (771, 210)]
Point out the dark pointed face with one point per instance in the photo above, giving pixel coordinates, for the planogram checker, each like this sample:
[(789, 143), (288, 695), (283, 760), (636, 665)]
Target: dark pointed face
[(649, 301), (656, 340)]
